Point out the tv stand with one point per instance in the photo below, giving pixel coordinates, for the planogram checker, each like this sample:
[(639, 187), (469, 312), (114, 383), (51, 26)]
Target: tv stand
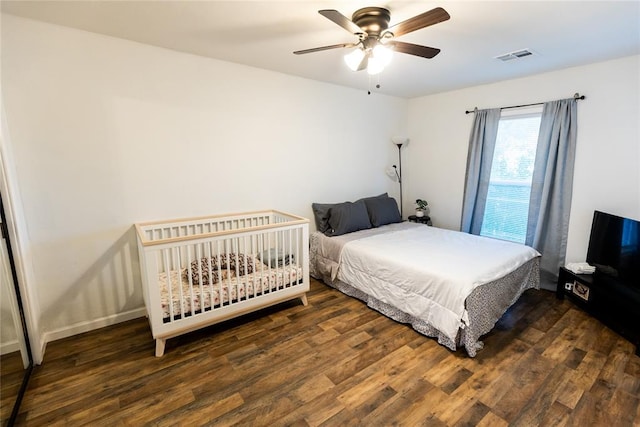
[(613, 303)]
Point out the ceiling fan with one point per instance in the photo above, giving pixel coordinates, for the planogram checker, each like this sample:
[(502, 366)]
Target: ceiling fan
[(375, 37)]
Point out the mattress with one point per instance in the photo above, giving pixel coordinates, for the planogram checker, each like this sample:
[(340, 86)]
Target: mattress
[(188, 299)]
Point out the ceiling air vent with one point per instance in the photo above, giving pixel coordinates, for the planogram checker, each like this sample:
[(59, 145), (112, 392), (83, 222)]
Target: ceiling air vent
[(515, 55)]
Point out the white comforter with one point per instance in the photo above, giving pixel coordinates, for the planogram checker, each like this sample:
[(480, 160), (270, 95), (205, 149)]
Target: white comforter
[(428, 272)]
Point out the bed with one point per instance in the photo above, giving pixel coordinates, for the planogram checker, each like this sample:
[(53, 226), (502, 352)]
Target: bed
[(446, 284), (200, 271)]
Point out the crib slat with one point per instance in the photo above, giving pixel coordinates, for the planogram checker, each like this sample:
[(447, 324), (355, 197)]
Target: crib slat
[(191, 295), (220, 278), (189, 276), (209, 255), (167, 268)]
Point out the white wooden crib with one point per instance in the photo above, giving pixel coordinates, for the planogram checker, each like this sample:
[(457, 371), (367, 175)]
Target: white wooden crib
[(201, 271)]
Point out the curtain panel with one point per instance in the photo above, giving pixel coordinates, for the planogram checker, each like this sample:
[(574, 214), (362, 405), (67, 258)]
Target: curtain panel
[(482, 142), (552, 185)]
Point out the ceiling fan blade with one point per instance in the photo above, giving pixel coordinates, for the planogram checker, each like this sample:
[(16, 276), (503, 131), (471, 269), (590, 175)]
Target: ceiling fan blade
[(318, 49), (340, 19), (419, 21), (413, 49)]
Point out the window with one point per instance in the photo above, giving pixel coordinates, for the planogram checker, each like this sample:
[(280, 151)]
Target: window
[(507, 206)]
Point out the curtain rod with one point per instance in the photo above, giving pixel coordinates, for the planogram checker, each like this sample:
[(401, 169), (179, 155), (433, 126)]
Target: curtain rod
[(576, 96)]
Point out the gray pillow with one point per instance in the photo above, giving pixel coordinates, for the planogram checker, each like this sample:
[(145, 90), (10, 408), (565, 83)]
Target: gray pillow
[(382, 211), (381, 196), (321, 215), (348, 217)]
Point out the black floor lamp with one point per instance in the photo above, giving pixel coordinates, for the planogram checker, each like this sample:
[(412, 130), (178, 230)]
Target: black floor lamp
[(399, 141)]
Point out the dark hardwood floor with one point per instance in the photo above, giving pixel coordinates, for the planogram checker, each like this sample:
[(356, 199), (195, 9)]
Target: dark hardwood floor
[(12, 372), (337, 362)]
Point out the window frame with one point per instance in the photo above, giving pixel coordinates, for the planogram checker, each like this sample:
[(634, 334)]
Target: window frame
[(512, 114)]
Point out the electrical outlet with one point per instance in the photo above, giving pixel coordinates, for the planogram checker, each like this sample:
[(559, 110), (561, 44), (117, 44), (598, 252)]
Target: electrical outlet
[(568, 286)]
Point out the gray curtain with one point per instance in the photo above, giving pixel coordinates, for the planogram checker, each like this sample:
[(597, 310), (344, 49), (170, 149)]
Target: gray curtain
[(552, 185), (482, 142)]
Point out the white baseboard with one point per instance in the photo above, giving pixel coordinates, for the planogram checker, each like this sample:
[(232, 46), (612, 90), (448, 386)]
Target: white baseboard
[(83, 327), (9, 347)]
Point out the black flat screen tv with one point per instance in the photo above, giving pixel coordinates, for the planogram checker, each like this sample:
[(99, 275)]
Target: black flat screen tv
[(614, 248)]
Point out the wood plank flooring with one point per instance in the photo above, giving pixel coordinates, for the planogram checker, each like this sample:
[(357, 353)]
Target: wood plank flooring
[(11, 374), (336, 362)]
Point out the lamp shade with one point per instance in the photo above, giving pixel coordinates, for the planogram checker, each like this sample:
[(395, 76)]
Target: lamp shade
[(354, 58), (375, 66), (400, 140), (383, 54)]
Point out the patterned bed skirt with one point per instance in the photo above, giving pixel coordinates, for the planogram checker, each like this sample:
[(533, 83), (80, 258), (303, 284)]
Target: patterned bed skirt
[(485, 306)]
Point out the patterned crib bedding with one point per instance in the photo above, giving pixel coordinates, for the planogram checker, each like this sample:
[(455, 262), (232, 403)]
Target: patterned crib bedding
[(193, 298)]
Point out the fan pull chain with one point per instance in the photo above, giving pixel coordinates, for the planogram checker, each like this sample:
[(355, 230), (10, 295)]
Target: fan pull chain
[(377, 84)]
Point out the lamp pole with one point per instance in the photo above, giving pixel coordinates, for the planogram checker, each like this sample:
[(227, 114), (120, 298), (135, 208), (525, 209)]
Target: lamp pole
[(399, 175)]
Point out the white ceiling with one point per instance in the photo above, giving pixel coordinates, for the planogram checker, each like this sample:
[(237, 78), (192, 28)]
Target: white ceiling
[(264, 34)]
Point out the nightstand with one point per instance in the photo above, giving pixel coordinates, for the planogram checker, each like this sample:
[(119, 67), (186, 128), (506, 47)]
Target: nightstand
[(421, 219), (614, 304)]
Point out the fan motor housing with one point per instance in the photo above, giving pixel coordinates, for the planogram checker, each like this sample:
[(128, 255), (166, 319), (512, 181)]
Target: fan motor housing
[(373, 20)]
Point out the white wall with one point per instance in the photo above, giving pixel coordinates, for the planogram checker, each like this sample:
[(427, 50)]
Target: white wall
[(606, 177), (106, 133)]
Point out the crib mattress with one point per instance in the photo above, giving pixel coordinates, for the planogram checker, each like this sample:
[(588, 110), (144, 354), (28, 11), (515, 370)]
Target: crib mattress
[(188, 299)]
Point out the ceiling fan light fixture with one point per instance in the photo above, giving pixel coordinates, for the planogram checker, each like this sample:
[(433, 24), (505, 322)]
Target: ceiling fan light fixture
[(354, 58), (383, 53), (379, 59), (375, 66)]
